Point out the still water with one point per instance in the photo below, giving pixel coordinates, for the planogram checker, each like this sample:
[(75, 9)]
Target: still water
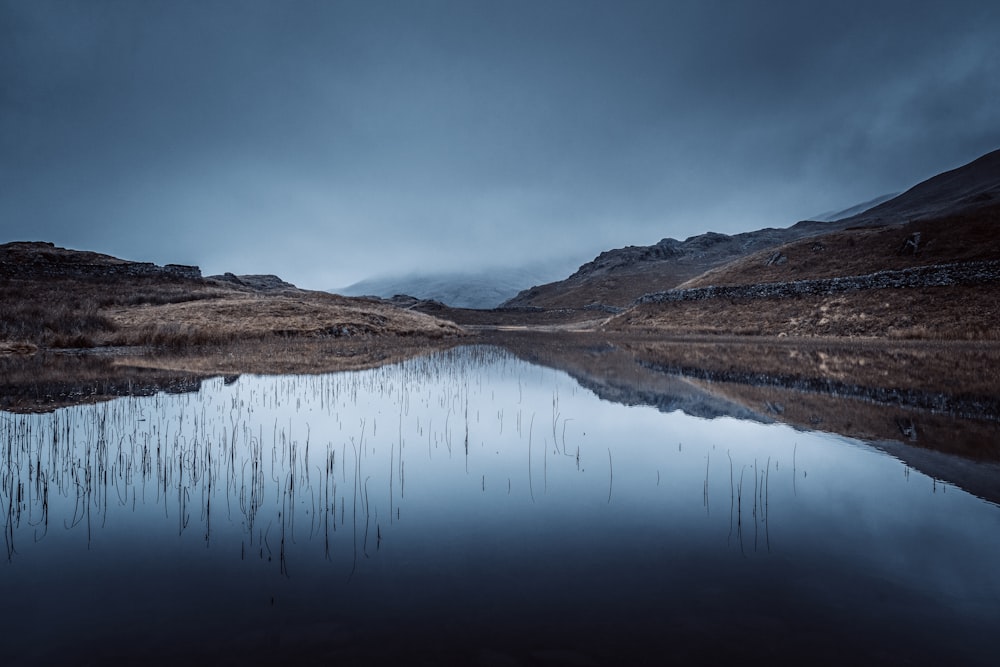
[(472, 508)]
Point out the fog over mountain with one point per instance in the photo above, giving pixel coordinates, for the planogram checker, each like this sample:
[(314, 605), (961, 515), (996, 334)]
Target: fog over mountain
[(473, 289), (618, 276), (328, 142), (831, 216)]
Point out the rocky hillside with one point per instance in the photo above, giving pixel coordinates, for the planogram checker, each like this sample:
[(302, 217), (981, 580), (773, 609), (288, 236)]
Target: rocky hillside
[(964, 237), (618, 277), (40, 260), (934, 277), (57, 298), (931, 279)]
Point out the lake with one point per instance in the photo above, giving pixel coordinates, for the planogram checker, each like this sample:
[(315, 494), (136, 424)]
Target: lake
[(471, 507)]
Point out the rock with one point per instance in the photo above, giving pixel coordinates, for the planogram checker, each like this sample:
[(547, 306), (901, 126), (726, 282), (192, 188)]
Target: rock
[(910, 245), (36, 260), (259, 282)]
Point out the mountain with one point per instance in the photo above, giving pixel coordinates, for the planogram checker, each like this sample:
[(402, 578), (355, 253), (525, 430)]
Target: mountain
[(482, 289), (924, 265), (618, 277), (832, 216), (969, 187), (970, 236)]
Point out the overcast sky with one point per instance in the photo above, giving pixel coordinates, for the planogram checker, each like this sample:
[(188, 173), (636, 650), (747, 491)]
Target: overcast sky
[(333, 141)]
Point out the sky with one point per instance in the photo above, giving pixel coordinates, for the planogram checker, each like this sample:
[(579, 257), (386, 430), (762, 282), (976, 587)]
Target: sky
[(328, 142)]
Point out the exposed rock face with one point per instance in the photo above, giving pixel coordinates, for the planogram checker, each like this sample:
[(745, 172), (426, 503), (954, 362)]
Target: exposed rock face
[(258, 282), (635, 270), (624, 257), (776, 259), (45, 260)]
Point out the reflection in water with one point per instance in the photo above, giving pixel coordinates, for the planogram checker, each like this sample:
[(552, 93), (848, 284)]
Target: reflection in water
[(472, 507), (931, 405)]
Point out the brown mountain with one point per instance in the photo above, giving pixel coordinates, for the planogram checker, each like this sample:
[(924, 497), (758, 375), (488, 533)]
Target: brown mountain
[(618, 277)]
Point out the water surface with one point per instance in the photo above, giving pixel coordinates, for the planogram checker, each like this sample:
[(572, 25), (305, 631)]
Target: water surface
[(471, 507)]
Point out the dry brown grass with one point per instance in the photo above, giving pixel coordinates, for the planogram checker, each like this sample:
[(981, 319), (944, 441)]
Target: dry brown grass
[(71, 313), (65, 313), (955, 238), (258, 316), (619, 288), (49, 313), (935, 313), (960, 238)]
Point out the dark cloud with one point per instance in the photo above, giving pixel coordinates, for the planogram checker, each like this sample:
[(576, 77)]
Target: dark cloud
[(330, 141)]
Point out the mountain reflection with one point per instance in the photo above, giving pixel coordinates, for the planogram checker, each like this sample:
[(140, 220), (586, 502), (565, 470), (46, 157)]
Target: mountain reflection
[(934, 406), (474, 496)]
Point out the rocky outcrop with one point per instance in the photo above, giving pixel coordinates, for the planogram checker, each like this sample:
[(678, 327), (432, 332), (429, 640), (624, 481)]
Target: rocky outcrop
[(938, 275), (38, 260), (257, 282), (665, 264), (610, 260)]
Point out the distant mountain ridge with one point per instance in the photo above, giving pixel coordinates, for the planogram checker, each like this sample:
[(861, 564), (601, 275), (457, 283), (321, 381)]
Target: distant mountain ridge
[(618, 277), (482, 289)]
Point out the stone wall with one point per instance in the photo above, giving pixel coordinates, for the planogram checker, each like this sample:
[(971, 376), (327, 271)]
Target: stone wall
[(937, 275), (97, 271)]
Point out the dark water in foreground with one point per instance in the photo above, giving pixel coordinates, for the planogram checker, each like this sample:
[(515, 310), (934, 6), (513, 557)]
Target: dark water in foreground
[(471, 508)]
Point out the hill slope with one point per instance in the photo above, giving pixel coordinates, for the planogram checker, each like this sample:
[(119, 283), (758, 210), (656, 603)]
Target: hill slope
[(967, 188), (54, 297), (618, 277), (832, 216), (964, 237), (934, 278)]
